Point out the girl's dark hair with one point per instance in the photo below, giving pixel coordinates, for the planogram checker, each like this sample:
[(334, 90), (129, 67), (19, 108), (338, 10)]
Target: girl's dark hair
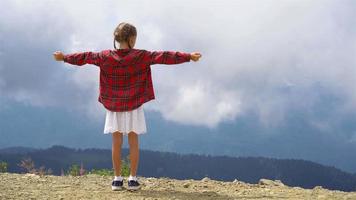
[(123, 32)]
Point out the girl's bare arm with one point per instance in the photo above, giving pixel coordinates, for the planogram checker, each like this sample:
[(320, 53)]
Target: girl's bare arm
[(169, 57), (80, 58)]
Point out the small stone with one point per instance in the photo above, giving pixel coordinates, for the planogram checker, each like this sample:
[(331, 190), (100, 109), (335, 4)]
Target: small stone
[(186, 185), (205, 179), (318, 187), (278, 183), (29, 175), (270, 182), (297, 188), (263, 181)]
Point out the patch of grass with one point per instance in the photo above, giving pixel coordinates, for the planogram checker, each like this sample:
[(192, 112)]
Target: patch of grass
[(75, 170), (125, 170), (3, 167), (102, 172)]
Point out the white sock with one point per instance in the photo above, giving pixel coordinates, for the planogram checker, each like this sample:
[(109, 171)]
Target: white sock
[(118, 178), (132, 178)]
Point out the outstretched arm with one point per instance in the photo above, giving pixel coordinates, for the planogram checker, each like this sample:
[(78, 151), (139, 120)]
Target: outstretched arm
[(80, 58), (170, 57)]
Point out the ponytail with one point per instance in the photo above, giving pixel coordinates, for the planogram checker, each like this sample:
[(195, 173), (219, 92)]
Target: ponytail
[(114, 44), (123, 32)]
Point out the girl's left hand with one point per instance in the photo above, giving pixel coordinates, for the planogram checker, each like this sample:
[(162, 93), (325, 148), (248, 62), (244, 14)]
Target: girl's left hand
[(195, 56), (58, 56)]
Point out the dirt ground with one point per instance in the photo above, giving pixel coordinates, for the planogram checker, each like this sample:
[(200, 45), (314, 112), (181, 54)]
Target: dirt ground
[(31, 186)]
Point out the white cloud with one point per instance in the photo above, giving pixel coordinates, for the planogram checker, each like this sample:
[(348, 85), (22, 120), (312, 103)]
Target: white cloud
[(151, 34), (199, 103), (259, 56)]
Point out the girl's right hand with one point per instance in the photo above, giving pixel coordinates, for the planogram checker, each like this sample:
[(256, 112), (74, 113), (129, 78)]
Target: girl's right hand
[(58, 56), (195, 56)]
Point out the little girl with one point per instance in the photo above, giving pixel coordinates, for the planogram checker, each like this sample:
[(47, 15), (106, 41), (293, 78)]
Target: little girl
[(125, 85)]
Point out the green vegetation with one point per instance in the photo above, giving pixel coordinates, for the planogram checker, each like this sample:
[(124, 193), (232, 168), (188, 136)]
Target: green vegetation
[(125, 167), (75, 170), (29, 166), (102, 172), (3, 167), (125, 170)]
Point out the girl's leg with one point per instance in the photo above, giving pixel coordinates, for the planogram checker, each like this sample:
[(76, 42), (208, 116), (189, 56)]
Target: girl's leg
[(134, 152), (116, 152)]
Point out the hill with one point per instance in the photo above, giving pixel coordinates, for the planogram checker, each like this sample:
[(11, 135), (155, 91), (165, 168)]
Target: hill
[(17, 150), (292, 172), (30, 186)]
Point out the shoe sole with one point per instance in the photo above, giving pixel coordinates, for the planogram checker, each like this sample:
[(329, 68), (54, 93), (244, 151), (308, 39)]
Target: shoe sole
[(133, 187), (115, 188)]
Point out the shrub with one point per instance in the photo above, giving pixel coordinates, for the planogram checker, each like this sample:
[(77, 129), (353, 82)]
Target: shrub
[(3, 167), (42, 171), (62, 172), (125, 170), (29, 166), (102, 172), (74, 170), (82, 170)]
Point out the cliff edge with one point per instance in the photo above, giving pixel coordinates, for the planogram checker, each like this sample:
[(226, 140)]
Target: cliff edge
[(31, 186)]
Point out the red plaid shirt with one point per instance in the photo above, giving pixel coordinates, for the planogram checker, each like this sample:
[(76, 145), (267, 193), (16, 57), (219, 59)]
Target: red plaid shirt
[(125, 74)]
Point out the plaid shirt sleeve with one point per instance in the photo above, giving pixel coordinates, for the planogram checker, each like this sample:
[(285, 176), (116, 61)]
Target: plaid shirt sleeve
[(167, 57), (84, 58)]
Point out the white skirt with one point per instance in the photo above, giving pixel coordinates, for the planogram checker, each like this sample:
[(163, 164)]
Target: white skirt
[(125, 122)]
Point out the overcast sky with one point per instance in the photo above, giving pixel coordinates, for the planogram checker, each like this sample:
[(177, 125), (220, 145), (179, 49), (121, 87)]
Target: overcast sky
[(268, 59)]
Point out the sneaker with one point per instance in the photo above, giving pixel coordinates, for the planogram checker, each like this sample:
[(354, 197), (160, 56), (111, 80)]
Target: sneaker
[(133, 184), (116, 185)]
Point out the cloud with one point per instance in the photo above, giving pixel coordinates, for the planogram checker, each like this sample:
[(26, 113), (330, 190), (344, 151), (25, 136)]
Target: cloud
[(200, 103), (268, 58)]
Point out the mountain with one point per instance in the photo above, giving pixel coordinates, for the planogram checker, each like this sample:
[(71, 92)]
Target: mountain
[(292, 172), (17, 150)]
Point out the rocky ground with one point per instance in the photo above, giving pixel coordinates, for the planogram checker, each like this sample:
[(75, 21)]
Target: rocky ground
[(31, 186)]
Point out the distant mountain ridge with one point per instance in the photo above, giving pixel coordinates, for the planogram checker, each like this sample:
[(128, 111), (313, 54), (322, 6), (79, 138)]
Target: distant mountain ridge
[(292, 172), (16, 150)]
